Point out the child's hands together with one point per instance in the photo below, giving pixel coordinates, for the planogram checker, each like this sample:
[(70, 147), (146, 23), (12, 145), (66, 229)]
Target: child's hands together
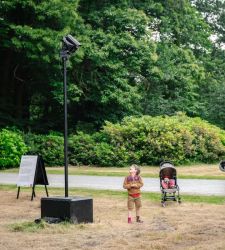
[(133, 185)]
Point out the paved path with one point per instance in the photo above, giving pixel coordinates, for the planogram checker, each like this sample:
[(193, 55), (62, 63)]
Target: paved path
[(187, 186)]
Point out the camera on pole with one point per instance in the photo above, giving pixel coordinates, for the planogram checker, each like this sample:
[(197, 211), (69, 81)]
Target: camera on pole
[(74, 209), (69, 45)]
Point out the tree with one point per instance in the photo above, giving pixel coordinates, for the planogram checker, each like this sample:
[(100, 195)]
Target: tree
[(136, 57), (174, 83), (212, 94), (181, 35), (31, 32), (119, 50)]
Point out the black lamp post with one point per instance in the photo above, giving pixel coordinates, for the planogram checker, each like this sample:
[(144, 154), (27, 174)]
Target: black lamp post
[(75, 209), (69, 46)]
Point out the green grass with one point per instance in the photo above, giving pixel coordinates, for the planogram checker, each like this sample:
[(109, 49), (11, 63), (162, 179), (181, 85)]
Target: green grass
[(8, 187), (121, 172), (155, 197), (202, 177), (32, 227), (10, 170), (28, 226), (219, 200)]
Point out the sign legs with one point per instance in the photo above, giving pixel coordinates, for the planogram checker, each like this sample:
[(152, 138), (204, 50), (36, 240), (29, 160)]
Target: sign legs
[(18, 193), (46, 190), (33, 193)]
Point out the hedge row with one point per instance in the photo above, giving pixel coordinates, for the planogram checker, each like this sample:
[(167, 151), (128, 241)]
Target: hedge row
[(145, 140), (181, 139), (12, 146)]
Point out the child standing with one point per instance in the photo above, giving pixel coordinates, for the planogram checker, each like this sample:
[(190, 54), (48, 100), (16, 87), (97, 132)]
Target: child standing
[(133, 183)]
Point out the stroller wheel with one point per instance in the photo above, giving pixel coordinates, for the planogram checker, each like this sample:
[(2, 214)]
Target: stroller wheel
[(163, 204)]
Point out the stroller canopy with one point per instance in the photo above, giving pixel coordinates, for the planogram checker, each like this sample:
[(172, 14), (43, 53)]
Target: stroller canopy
[(168, 170)]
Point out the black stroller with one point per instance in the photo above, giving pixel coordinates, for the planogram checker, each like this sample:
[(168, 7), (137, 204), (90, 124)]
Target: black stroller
[(168, 183)]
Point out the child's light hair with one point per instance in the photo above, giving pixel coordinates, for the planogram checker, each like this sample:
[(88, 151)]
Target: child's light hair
[(137, 168)]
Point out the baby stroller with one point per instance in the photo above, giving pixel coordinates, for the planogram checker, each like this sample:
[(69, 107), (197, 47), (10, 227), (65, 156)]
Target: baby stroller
[(168, 183)]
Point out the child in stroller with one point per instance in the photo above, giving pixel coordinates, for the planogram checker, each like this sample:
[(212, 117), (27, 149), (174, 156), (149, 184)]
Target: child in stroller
[(168, 183)]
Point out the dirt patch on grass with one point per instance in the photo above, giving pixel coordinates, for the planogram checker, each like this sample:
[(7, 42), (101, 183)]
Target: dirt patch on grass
[(185, 226)]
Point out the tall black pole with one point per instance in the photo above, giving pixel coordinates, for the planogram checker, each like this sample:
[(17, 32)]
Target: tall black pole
[(69, 46), (64, 58)]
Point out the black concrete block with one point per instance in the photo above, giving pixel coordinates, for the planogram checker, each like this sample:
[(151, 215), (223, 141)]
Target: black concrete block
[(74, 209)]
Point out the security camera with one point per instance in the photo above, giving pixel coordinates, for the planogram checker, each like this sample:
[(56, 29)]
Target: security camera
[(70, 44), (72, 40)]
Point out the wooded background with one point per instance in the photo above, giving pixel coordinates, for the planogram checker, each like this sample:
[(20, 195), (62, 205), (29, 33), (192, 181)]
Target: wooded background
[(137, 58)]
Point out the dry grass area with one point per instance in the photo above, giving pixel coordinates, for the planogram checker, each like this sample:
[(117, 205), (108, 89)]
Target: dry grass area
[(201, 170), (186, 226), (193, 170)]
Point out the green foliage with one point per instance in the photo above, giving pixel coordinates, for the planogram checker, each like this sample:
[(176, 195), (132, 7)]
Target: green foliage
[(31, 227), (149, 57), (30, 47), (142, 140), (50, 147), (149, 140), (105, 155), (175, 82), (81, 149), (212, 93), (114, 60), (214, 13), (181, 24), (95, 149), (180, 139), (111, 155), (12, 147)]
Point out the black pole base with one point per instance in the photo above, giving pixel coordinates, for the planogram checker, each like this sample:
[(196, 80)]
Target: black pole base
[(73, 209)]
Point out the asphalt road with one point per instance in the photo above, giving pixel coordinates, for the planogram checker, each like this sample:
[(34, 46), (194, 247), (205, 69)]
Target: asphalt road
[(187, 186)]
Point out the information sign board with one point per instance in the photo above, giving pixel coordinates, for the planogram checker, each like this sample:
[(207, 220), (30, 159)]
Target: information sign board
[(32, 172), (27, 171)]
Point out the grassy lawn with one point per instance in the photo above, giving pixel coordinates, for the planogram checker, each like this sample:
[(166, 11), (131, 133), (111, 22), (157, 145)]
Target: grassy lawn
[(198, 223), (200, 171), (156, 197)]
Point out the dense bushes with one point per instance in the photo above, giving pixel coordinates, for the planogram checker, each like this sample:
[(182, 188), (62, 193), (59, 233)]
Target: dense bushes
[(148, 140), (94, 149), (51, 147), (12, 147), (81, 149), (144, 140)]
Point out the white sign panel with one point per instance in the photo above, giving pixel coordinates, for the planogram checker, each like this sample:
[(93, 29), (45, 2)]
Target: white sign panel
[(27, 170)]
